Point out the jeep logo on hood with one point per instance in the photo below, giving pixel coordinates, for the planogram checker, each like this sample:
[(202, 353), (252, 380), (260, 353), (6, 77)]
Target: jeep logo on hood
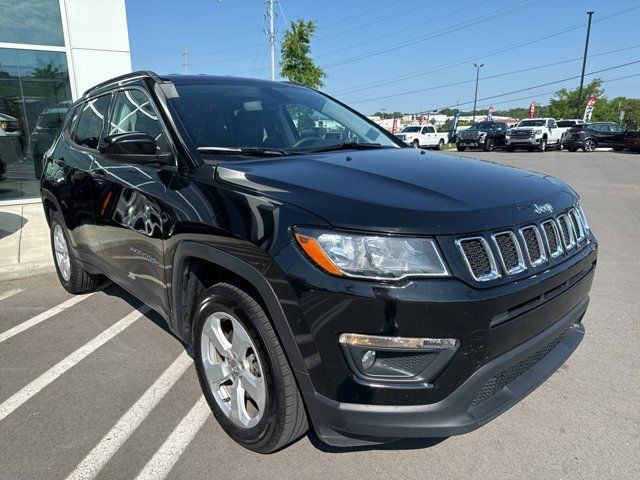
[(542, 208)]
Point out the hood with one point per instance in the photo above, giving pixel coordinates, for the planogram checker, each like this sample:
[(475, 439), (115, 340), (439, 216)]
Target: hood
[(401, 190)]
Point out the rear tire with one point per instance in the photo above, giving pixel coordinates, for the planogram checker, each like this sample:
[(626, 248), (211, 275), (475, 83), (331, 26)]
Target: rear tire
[(559, 146), (440, 144), (589, 145), (283, 418), (572, 149), (415, 144), (511, 149), (618, 149), (72, 275)]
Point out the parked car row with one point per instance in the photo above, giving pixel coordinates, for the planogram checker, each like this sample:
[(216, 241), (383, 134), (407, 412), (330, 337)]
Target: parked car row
[(541, 133)]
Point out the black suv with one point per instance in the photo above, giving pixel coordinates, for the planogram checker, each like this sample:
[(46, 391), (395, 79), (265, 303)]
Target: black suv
[(593, 135), (371, 290), (486, 135)]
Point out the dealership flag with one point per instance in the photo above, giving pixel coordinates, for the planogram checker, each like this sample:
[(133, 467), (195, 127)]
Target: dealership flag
[(454, 125), (394, 128), (490, 114), (589, 110), (532, 110)]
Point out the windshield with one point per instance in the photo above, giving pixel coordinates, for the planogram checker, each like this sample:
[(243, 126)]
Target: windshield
[(237, 115), (410, 129), (482, 126), (531, 123)]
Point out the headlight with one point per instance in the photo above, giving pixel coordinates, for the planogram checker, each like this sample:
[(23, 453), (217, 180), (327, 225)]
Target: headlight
[(371, 256), (538, 132)]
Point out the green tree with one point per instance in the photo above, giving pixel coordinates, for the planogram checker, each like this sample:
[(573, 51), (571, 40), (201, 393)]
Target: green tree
[(565, 103), (296, 64)]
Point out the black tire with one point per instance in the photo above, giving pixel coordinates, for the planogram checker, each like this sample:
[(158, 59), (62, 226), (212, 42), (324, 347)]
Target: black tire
[(460, 148), (415, 143), (440, 144), (542, 146), (284, 419), (589, 145), (511, 149), (488, 145), (559, 146), (618, 149), (572, 149), (79, 281)]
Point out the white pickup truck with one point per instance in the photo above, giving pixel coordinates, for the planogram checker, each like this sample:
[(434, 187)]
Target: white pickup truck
[(423, 136), (534, 134)]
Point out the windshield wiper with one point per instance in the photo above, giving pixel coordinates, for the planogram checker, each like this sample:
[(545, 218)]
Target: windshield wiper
[(257, 151), (347, 146)]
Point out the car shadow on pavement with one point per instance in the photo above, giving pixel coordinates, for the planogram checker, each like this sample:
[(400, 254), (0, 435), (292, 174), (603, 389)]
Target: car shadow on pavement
[(10, 223), (400, 444), (114, 290)]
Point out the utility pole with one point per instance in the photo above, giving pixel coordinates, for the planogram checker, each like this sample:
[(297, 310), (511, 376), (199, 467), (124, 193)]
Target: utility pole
[(271, 35), (475, 97), (185, 55), (584, 65)]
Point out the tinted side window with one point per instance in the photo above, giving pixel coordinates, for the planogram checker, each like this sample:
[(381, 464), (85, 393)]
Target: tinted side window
[(617, 128), (133, 112), (89, 121)]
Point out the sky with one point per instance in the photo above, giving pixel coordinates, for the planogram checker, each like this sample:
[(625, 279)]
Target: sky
[(404, 55)]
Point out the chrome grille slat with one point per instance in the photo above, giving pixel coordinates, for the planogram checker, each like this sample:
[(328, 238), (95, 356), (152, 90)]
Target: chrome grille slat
[(578, 228), (533, 245), (552, 237), (479, 258), (567, 233), (509, 252)]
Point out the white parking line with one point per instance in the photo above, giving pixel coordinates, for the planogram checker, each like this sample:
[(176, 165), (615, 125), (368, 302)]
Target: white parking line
[(42, 317), (19, 398), (95, 461), (170, 451), (10, 293)]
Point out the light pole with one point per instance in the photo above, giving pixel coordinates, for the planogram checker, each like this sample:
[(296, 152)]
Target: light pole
[(584, 64), (475, 97)]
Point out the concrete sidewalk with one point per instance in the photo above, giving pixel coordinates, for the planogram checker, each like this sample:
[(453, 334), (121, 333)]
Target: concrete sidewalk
[(24, 240)]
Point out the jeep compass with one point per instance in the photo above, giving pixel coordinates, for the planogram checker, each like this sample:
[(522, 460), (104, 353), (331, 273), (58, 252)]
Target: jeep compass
[(326, 276)]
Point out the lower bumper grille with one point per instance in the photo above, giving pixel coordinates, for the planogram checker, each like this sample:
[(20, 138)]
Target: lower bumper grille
[(497, 383)]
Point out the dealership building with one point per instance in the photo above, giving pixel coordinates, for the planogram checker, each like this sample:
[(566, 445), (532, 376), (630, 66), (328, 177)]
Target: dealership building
[(51, 51)]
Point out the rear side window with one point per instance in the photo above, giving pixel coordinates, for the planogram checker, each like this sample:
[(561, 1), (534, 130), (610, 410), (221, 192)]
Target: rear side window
[(89, 122)]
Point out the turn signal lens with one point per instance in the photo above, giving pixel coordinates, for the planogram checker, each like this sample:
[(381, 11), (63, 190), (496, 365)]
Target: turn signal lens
[(315, 252), (410, 343)]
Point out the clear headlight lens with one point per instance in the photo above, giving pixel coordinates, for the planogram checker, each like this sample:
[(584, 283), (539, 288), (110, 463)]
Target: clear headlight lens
[(371, 257), (538, 132)]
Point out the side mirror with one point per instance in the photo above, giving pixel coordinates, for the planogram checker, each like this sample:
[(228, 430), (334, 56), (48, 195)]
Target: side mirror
[(133, 147)]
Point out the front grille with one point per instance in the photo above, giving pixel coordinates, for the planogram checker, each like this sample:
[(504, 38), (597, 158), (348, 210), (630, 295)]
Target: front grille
[(504, 378), (522, 133), (552, 239), (533, 244), (510, 253), (479, 258)]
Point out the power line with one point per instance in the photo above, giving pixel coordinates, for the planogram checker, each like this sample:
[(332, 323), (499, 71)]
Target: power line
[(481, 56), (546, 84), (497, 75)]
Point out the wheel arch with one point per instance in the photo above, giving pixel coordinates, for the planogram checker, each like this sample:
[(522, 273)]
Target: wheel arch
[(216, 265)]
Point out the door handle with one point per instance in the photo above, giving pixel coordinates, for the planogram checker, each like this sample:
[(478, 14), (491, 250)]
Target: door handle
[(60, 161)]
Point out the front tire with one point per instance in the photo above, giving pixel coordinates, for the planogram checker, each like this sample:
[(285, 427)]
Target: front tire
[(243, 371), (415, 144), (543, 145), (73, 277), (618, 149), (488, 145), (460, 148)]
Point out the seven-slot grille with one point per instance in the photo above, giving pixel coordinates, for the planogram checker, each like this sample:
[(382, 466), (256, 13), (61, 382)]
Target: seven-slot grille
[(548, 240)]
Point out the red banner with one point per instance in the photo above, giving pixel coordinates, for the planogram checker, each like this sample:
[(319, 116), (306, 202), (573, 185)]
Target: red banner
[(589, 110), (490, 113), (532, 110), (394, 128)]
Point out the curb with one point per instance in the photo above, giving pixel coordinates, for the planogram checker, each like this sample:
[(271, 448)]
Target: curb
[(25, 270)]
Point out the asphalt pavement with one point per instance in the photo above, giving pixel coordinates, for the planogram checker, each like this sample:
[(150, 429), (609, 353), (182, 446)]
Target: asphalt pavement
[(96, 387)]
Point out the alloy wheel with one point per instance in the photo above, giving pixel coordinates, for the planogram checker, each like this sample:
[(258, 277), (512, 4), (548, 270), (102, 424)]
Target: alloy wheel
[(233, 369), (589, 145), (61, 252)]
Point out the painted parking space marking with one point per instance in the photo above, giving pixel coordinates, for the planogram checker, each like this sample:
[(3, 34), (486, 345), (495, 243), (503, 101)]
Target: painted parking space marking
[(100, 455), (42, 317), (10, 293), (27, 392), (176, 443)]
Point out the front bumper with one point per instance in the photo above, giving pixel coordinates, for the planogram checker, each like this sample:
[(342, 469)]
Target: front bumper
[(490, 391), (523, 141)]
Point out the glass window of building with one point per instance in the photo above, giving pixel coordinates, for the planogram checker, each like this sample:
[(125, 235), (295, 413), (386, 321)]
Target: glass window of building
[(35, 94), (35, 22)]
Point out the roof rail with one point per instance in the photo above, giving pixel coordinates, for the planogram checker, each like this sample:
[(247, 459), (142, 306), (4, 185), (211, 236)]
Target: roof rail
[(139, 73)]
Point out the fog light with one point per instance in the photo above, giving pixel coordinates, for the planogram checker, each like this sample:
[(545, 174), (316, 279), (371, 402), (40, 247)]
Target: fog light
[(368, 359)]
